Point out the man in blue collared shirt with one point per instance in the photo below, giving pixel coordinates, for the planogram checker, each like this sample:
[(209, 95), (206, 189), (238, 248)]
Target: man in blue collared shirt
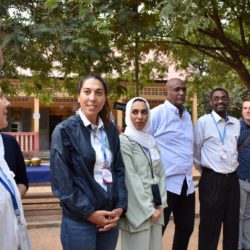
[(244, 175), (173, 131)]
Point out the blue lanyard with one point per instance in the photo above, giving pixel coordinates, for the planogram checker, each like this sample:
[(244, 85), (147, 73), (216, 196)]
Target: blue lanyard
[(11, 192), (10, 184), (222, 136), (103, 147)]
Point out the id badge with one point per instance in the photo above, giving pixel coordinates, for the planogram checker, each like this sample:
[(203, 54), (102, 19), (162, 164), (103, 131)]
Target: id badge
[(107, 176), (223, 155)]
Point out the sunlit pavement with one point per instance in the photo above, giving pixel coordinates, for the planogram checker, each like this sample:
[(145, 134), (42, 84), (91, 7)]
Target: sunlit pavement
[(48, 237)]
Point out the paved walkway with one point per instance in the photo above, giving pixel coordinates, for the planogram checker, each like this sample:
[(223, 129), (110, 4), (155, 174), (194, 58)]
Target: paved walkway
[(48, 237)]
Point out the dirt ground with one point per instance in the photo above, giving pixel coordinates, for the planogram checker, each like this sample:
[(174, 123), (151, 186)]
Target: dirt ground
[(49, 238)]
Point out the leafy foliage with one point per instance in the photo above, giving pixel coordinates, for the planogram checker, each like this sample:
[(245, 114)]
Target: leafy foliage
[(70, 38), (218, 30), (75, 37)]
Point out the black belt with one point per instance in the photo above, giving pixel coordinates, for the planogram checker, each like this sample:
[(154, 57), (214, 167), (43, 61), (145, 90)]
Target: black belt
[(209, 170)]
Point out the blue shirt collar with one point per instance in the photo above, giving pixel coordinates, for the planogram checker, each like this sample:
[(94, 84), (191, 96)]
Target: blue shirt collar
[(173, 108)]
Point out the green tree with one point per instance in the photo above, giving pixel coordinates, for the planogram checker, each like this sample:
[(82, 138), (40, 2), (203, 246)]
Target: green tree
[(214, 34), (66, 40), (135, 24), (76, 37), (131, 26)]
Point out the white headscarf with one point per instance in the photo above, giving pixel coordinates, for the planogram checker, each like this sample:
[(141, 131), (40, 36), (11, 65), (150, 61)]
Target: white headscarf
[(143, 137)]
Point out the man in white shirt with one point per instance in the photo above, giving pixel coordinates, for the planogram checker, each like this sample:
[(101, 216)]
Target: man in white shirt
[(215, 155), (173, 132)]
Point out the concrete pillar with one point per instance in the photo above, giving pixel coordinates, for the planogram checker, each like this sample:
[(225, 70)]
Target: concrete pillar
[(36, 118), (194, 108), (36, 115)]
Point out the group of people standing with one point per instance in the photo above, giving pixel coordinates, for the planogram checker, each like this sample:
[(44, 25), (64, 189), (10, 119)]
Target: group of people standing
[(135, 180)]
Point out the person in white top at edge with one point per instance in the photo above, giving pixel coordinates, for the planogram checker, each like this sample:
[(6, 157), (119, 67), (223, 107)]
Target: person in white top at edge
[(243, 172), (13, 231), (173, 131), (215, 155)]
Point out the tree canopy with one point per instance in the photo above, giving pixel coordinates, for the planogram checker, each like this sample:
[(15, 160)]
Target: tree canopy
[(218, 30), (73, 38), (69, 38)]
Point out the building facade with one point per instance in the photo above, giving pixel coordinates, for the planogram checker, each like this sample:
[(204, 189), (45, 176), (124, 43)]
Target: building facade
[(32, 122)]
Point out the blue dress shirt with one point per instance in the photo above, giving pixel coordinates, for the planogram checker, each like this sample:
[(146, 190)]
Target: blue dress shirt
[(174, 137)]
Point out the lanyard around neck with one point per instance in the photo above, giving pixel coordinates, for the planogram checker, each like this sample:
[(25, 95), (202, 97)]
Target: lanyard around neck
[(10, 188), (148, 158), (222, 135), (103, 144), (103, 147), (13, 198), (9, 183)]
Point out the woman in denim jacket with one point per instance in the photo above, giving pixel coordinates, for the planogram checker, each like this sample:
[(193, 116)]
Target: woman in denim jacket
[(88, 171)]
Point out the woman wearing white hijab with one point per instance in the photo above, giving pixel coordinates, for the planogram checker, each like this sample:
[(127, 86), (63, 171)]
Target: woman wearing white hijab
[(141, 228)]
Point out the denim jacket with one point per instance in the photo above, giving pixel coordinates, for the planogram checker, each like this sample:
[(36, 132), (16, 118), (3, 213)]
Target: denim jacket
[(72, 171)]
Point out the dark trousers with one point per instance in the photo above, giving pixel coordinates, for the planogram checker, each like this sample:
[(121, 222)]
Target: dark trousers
[(219, 196), (183, 208)]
